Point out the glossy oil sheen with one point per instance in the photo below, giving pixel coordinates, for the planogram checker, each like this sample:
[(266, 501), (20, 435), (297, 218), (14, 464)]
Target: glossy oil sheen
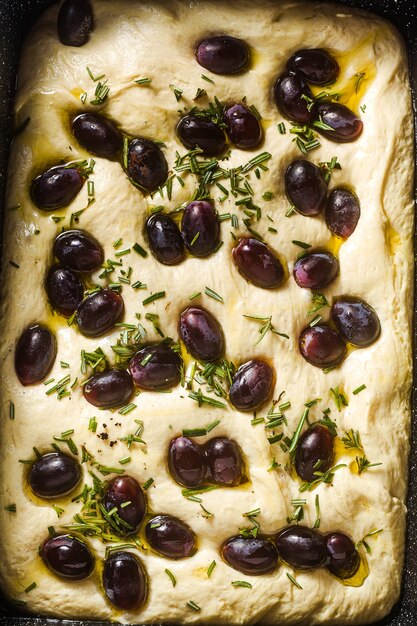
[(342, 212), (322, 346), (224, 461), (345, 124), (146, 164), (124, 581), (99, 312), (65, 290), (56, 188), (288, 93), (252, 556), (54, 475), (170, 537), (257, 263), (344, 559), (75, 22), (223, 54), (301, 547), (109, 389), (156, 367), (251, 385), (316, 270), (201, 334), (67, 557), (197, 132), (314, 452), (200, 228), (35, 354), (78, 250), (121, 490), (243, 127), (314, 65), (187, 462)]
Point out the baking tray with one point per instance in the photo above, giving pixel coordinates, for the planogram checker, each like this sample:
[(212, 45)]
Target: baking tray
[(16, 18)]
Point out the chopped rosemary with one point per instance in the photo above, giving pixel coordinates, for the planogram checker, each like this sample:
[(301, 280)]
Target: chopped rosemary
[(241, 583), (200, 93), (265, 327), (11, 508), (194, 295), (317, 505), (211, 568), (319, 301), (294, 582), (364, 543), (171, 577), (143, 81), (322, 477), (281, 128), (192, 605), (147, 484), (359, 78), (58, 510), (339, 398), (358, 390), (297, 432), (193, 491), (31, 586), (202, 399), (213, 294), (92, 424), (101, 93), (127, 409), (207, 79), (153, 297), (363, 463), (11, 410), (301, 244), (352, 439), (177, 92)]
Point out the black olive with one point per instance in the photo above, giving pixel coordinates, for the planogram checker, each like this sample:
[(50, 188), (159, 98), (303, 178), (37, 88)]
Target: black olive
[(301, 547), (257, 263), (78, 250), (250, 555), (202, 334), (342, 212), (306, 187), (243, 127), (344, 559), (186, 462), (35, 354), (315, 65), (316, 270), (124, 581), (65, 290), (224, 461), (200, 228), (322, 346), (156, 367), (97, 134), (356, 321), (165, 239), (146, 164), (56, 188), (99, 312), (314, 452), (251, 385), (75, 22), (109, 389), (67, 557), (223, 54), (120, 491), (345, 125), (197, 132), (170, 537), (293, 98), (54, 474)]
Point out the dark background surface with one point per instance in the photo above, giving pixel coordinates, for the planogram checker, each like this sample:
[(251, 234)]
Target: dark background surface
[(16, 17)]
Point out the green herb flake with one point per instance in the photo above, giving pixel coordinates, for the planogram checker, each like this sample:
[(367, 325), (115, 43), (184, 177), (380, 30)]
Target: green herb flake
[(301, 244), (31, 586), (171, 577), (153, 297), (192, 605), (143, 81), (241, 583), (358, 390), (364, 543), (177, 92), (147, 484), (11, 508), (212, 294), (127, 409), (294, 582), (211, 568), (11, 410)]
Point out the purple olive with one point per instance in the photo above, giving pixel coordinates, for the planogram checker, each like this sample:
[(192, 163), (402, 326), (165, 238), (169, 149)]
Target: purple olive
[(124, 581), (322, 346), (67, 557), (342, 212), (223, 54), (202, 334), (345, 124), (78, 250), (198, 132), (314, 65), (165, 239), (109, 389), (146, 164), (156, 367), (97, 134), (35, 354), (250, 555), (306, 187), (200, 228), (54, 475), (65, 290), (316, 270), (170, 537), (257, 263), (56, 188), (120, 491), (301, 547), (344, 559), (251, 385), (186, 462), (356, 321), (224, 461), (243, 127), (75, 22), (314, 452), (293, 97), (99, 312)]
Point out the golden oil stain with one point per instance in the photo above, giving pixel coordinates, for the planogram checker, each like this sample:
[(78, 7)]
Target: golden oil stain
[(360, 575), (200, 572), (77, 92), (392, 238), (334, 244)]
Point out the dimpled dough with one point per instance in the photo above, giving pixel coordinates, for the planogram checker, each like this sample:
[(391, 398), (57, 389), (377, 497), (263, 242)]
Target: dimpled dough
[(157, 40)]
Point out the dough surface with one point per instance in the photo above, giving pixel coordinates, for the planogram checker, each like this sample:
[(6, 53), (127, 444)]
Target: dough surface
[(157, 40)]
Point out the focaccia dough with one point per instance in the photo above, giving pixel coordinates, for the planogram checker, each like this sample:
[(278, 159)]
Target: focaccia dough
[(157, 39)]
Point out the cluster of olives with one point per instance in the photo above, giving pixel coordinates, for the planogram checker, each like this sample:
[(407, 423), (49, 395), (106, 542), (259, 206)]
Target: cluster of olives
[(295, 100), (219, 461), (354, 321), (300, 547)]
